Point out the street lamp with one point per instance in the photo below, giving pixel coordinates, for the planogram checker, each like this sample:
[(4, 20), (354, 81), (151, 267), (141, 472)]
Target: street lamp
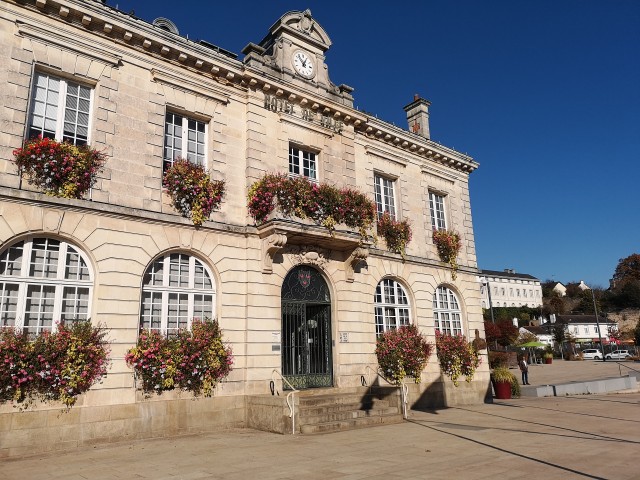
[(595, 309), (485, 283)]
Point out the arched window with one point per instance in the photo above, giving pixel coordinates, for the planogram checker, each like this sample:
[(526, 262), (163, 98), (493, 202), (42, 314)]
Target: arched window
[(446, 312), (42, 281), (176, 288), (391, 306)]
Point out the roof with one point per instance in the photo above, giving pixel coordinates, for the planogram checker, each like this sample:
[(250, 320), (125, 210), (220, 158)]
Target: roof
[(582, 319), (536, 330), (509, 274)]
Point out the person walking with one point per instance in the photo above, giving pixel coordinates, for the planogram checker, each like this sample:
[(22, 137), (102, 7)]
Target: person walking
[(524, 368)]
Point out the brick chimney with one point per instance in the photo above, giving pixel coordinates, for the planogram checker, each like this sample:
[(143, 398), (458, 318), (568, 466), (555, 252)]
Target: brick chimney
[(418, 116)]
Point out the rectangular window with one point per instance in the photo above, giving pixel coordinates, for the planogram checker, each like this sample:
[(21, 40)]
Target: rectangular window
[(60, 109), (184, 137), (385, 197), (436, 207), (302, 163)]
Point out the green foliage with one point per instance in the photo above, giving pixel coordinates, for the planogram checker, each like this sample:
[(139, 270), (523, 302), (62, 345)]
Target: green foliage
[(401, 353), (194, 360)]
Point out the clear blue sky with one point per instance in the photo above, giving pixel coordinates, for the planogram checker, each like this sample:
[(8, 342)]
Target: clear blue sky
[(545, 95)]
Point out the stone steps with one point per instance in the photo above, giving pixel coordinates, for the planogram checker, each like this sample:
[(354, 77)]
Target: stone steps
[(323, 412)]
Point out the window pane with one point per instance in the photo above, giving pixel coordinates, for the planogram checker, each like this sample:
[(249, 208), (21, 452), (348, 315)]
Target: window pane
[(177, 315), (39, 308), (294, 161), (75, 303), (75, 267), (179, 270), (390, 306), (8, 304), (44, 110), (436, 208), (447, 312), (172, 138), (44, 258), (151, 311), (11, 260)]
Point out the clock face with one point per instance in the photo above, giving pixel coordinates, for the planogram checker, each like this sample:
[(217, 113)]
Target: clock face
[(303, 64)]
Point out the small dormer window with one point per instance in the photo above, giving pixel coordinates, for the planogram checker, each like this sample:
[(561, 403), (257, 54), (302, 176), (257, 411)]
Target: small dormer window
[(166, 25)]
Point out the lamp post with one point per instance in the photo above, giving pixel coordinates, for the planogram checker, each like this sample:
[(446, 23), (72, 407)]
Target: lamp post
[(485, 283), (595, 309)]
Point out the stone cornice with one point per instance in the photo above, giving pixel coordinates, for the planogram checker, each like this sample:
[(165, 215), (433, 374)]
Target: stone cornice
[(132, 33)]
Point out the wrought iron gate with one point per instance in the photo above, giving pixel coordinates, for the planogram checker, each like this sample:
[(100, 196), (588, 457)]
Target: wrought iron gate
[(306, 329)]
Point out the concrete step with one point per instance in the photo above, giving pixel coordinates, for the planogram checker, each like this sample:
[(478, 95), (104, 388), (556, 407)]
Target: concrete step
[(336, 416), (345, 399), (351, 424), (312, 410)]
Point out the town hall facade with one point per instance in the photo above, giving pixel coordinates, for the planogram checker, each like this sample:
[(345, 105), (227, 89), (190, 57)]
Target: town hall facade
[(292, 298)]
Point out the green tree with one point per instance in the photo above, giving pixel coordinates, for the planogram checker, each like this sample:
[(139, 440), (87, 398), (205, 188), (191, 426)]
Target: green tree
[(628, 270)]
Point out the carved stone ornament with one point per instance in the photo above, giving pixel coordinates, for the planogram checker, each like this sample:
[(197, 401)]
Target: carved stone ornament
[(305, 255), (271, 245), (306, 22), (358, 255)]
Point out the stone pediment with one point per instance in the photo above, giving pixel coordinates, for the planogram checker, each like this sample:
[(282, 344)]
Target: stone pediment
[(300, 25)]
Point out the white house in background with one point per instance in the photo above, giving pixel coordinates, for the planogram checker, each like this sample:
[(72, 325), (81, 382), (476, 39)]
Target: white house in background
[(509, 289), (584, 328), (560, 289), (544, 335)]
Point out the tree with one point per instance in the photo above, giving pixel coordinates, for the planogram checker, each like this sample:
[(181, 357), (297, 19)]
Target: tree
[(628, 270), (560, 330), (556, 305), (637, 332)]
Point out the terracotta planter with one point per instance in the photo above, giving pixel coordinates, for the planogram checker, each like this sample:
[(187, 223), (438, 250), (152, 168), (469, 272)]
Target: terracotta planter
[(548, 361), (503, 390)]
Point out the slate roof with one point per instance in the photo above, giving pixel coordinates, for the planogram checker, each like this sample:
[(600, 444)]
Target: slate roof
[(503, 274)]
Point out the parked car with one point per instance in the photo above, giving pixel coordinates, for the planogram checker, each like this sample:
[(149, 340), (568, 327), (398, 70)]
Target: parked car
[(592, 354), (618, 355)]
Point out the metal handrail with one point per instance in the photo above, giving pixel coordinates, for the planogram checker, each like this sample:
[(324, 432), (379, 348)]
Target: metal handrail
[(290, 398), (625, 366), (404, 389)]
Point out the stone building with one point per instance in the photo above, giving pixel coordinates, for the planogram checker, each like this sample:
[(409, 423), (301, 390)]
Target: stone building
[(509, 289), (85, 72)]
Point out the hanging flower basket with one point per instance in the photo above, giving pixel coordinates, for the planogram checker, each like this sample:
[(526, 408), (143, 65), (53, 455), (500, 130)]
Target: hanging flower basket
[(448, 244), (324, 204), (397, 234), (192, 360), (59, 169), (457, 357), (401, 353), (193, 193)]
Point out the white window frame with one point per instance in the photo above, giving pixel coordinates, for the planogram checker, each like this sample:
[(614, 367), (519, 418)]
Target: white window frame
[(165, 290), (171, 153), (447, 315), (61, 109), (391, 306), (437, 210), (385, 195), (24, 280), (303, 163)]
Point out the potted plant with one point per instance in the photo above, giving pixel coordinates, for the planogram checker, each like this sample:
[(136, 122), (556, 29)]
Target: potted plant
[(193, 193), (397, 234), (448, 244), (505, 383), (457, 356), (59, 169), (548, 358), (401, 353)]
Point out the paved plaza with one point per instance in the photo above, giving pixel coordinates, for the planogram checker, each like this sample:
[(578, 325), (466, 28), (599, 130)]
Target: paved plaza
[(588, 436)]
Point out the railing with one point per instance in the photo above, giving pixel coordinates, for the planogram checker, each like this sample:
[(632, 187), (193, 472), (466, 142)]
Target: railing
[(404, 389), (620, 365), (290, 397)]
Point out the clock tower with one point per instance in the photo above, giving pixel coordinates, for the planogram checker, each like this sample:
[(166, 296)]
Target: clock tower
[(294, 51)]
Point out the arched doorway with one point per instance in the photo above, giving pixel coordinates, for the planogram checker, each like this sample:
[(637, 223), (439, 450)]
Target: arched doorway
[(306, 329)]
